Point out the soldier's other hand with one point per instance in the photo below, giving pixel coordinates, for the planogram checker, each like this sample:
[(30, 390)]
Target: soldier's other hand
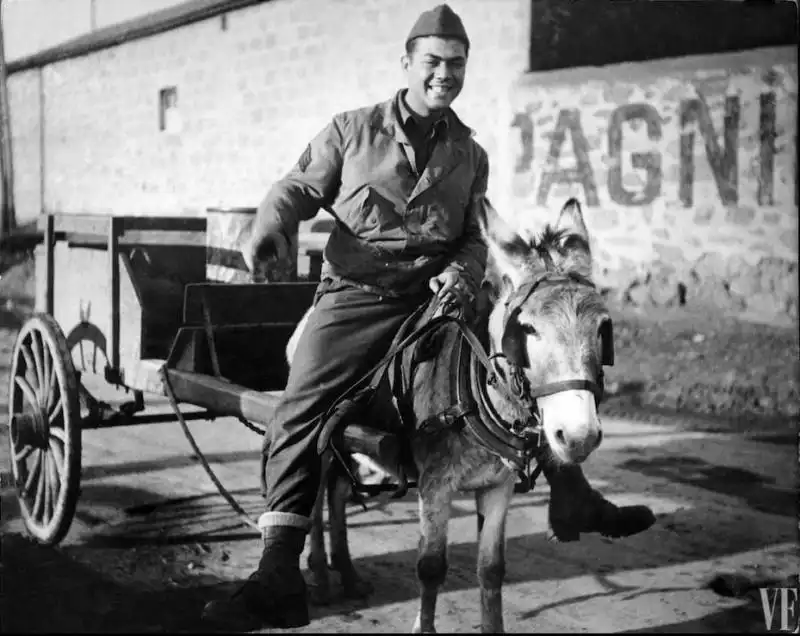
[(273, 246)]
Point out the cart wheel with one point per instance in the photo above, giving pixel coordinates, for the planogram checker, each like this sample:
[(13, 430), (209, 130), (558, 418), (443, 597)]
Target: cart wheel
[(45, 432)]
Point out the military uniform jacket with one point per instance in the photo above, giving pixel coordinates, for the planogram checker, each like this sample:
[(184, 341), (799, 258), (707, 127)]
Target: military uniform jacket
[(394, 229)]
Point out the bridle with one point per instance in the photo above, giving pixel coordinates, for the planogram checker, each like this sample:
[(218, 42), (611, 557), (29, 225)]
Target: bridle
[(524, 437), (516, 359)]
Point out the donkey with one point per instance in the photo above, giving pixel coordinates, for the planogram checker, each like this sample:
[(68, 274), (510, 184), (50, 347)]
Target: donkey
[(547, 332)]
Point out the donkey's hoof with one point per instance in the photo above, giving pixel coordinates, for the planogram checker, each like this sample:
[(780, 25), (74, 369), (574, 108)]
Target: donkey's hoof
[(355, 587), (418, 630), (319, 587), (319, 594)]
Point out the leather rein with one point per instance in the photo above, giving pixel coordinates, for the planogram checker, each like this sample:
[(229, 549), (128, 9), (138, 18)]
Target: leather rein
[(517, 442)]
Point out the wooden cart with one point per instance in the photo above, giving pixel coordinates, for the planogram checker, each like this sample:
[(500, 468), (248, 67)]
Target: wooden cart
[(124, 301)]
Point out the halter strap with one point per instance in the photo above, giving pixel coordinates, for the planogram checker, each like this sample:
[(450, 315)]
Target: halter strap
[(547, 279)]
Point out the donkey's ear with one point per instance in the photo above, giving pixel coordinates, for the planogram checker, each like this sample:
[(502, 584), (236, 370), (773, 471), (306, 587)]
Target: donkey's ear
[(570, 219), (577, 253), (510, 253)]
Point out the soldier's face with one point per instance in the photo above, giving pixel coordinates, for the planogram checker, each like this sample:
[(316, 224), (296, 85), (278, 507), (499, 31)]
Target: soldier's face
[(435, 71)]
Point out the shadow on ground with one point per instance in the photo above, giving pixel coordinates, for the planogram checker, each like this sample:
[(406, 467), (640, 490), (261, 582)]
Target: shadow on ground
[(755, 491), (748, 619), (44, 590)]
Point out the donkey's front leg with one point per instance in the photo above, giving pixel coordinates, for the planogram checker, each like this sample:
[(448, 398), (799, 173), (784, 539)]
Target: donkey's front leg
[(492, 505), (434, 515), (319, 583)]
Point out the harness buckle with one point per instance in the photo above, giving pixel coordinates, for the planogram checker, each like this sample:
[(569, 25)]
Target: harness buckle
[(453, 416), (527, 477)]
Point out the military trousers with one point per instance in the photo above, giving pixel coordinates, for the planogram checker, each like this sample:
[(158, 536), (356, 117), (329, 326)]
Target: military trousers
[(347, 333)]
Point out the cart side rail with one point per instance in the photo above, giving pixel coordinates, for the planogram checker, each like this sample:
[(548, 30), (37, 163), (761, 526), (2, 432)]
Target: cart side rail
[(246, 303), (239, 332)]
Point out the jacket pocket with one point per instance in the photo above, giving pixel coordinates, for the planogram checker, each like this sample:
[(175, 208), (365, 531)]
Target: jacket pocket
[(439, 218), (375, 217)]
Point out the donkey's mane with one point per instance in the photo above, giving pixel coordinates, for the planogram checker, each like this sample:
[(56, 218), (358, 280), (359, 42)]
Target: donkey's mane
[(560, 241)]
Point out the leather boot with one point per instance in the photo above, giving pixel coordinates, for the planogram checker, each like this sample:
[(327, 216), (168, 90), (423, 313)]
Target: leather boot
[(272, 596), (576, 507)]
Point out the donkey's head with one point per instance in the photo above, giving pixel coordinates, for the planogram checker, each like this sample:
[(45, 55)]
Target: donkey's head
[(549, 328)]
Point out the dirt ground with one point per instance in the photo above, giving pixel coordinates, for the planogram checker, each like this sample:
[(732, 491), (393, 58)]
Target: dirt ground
[(700, 424)]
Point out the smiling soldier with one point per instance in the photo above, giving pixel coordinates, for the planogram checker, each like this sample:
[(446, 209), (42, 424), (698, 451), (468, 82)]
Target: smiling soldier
[(406, 181)]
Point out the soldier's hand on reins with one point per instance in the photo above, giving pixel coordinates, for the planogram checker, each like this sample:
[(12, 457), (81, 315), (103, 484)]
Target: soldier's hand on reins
[(449, 287)]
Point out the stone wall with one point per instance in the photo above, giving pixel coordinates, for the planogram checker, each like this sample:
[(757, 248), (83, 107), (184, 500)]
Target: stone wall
[(25, 104), (253, 86), (686, 170)]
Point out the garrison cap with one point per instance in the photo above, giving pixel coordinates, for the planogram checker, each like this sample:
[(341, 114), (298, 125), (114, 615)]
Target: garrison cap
[(440, 21)]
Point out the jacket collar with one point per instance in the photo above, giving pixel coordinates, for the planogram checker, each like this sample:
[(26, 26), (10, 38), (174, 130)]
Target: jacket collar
[(407, 116), (447, 155), (388, 117)]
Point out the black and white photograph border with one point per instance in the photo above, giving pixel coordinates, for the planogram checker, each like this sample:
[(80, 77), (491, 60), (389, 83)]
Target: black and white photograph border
[(591, 206)]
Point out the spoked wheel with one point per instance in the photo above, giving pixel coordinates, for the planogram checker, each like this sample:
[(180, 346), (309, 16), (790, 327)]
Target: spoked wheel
[(45, 431)]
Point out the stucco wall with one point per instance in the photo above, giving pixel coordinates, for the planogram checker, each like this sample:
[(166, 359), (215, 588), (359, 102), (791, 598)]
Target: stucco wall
[(686, 170), (252, 90), (25, 104), (689, 165)]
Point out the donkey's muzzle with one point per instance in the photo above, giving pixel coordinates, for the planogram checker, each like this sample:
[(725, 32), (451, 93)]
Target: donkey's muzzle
[(570, 423)]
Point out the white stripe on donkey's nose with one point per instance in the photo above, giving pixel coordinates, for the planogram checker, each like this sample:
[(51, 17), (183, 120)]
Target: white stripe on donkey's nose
[(570, 423)]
